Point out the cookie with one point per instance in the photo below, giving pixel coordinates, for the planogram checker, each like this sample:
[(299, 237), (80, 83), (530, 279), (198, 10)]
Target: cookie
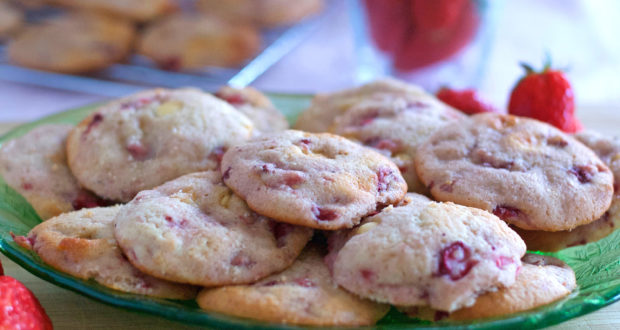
[(528, 173), (608, 149), (10, 19), (396, 126), (35, 165), (73, 43), (137, 10), (82, 244), (195, 230), (541, 281), (326, 107), (256, 106), (265, 13), (303, 294), (146, 139), (426, 253), (321, 181), (189, 41)]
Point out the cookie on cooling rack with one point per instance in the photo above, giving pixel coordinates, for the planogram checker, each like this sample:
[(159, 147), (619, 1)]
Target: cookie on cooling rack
[(322, 181), (426, 253), (266, 13), (191, 41), (73, 43), (527, 172), (303, 294), (82, 244), (146, 139), (196, 230), (10, 19), (137, 10), (35, 165)]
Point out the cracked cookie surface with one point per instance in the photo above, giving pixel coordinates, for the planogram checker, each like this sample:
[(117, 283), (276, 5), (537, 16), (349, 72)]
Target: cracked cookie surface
[(196, 230), (322, 181), (425, 253), (528, 173), (82, 244), (151, 137)]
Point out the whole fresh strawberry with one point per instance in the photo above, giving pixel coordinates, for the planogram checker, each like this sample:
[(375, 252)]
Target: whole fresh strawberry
[(19, 308), (466, 100), (547, 96)]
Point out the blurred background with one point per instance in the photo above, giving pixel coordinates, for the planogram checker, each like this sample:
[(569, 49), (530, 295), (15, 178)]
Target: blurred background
[(298, 47)]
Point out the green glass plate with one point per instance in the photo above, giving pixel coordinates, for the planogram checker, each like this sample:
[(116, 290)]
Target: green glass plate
[(597, 265)]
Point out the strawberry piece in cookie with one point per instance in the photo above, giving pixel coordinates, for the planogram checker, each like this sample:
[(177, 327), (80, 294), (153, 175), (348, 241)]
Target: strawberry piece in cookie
[(317, 180), (424, 253)]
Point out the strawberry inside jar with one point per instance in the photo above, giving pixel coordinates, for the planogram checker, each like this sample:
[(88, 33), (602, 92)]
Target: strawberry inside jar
[(417, 33)]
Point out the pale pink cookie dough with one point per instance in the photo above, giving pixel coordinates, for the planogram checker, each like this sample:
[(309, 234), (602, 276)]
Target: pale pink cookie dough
[(426, 253), (317, 180), (82, 244), (303, 294), (396, 125), (35, 165), (151, 137), (196, 230), (525, 171), (256, 106), (541, 281), (326, 107)]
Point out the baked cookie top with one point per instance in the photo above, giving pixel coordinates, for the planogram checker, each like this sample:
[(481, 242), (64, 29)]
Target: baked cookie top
[(73, 43), (82, 244), (148, 138), (190, 41), (322, 181), (608, 150), (35, 165), (528, 173), (425, 253), (326, 107), (541, 281), (196, 230), (266, 13), (138, 10), (303, 294), (396, 125), (256, 106)]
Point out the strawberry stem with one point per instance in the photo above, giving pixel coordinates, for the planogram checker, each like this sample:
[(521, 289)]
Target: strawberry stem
[(528, 68)]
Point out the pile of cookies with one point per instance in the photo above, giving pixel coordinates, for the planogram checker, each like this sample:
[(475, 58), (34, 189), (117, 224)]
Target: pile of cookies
[(184, 195), (94, 34)]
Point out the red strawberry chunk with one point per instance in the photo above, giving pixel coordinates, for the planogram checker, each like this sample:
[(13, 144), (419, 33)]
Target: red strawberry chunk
[(465, 100), (456, 261), (324, 214), (584, 173)]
